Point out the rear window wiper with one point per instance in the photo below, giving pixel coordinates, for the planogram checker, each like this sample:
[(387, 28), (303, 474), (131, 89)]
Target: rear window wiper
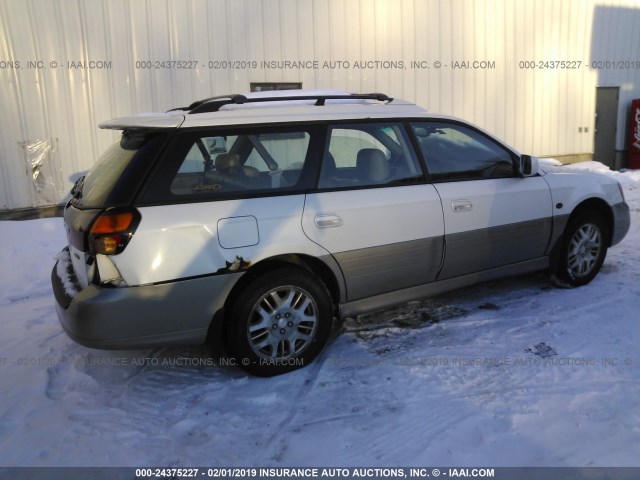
[(76, 190)]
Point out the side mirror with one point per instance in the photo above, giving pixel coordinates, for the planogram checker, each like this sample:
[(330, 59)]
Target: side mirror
[(528, 166)]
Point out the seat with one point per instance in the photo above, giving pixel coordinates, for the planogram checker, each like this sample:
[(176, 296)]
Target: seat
[(228, 164), (372, 166), (229, 174)]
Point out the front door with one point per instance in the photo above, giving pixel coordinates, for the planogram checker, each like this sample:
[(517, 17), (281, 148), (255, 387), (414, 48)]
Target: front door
[(494, 222), (492, 217)]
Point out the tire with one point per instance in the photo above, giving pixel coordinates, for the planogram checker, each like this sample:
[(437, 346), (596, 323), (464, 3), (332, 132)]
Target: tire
[(280, 322), (583, 248)]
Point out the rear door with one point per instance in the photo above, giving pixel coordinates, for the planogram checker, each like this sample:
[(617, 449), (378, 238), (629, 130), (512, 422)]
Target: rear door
[(373, 212), (492, 217)]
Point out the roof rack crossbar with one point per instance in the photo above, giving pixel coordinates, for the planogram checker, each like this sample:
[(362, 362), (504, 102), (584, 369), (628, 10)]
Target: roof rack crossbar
[(214, 104)]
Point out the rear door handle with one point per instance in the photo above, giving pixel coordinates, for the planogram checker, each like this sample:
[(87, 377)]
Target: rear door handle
[(461, 205), (327, 221)]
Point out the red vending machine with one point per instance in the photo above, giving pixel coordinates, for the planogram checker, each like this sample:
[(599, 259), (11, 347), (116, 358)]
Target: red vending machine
[(634, 130)]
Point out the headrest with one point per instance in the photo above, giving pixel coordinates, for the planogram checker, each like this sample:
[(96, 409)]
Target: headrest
[(225, 161), (373, 163)]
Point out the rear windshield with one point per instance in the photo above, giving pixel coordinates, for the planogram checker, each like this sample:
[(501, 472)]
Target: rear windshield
[(97, 188)]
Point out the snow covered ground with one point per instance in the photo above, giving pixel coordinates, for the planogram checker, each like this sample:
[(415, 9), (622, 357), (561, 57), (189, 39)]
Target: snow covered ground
[(509, 373)]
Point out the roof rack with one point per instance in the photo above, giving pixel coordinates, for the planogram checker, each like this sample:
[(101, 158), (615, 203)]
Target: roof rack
[(214, 104), (213, 101)]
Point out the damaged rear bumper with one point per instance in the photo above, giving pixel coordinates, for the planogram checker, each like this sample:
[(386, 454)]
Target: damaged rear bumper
[(171, 313)]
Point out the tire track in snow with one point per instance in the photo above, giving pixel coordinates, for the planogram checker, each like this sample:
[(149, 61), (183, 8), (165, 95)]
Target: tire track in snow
[(279, 437)]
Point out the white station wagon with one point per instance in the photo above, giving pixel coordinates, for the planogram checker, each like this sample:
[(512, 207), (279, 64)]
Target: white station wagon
[(262, 219)]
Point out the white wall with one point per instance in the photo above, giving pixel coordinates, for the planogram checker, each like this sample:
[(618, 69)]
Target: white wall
[(538, 111)]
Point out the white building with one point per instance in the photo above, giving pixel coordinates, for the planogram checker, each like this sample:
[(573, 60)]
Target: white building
[(533, 72)]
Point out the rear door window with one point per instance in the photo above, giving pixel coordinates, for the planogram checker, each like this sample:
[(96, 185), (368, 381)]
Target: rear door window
[(361, 155)]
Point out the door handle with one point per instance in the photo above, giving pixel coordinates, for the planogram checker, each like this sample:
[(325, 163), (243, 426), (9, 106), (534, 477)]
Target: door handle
[(461, 206), (327, 221)]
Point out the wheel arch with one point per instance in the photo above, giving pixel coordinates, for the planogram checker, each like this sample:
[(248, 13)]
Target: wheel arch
[(330, 275), (596, 204), (589, 204)]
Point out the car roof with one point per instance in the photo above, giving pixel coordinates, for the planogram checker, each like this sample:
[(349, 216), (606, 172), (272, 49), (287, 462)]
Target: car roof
[(275, 107)]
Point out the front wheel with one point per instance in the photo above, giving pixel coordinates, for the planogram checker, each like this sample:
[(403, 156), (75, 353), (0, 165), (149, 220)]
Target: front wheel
[(583, 249), (280, 322)]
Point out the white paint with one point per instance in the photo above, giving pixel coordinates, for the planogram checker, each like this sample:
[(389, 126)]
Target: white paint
[(185, 237), (374, 217), (238, 232), (494, 202)]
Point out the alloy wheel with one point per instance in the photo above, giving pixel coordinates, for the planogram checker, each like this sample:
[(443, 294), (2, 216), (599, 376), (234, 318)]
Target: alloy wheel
[(283, 323), (584, 249)]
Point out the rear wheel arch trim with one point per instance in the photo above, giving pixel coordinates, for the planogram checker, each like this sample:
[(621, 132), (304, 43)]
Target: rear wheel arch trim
[(326, 269), (282, 314)]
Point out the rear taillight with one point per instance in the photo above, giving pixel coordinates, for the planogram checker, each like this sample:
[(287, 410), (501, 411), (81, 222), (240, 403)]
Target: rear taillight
[(112, 230)]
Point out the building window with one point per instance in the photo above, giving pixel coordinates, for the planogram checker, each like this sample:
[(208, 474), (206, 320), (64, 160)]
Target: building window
[(265, 87)]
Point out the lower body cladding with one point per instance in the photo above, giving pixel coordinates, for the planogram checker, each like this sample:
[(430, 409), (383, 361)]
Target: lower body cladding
[(176, 313), (375, 270), (397, 297), (621, 222), (181, 312)]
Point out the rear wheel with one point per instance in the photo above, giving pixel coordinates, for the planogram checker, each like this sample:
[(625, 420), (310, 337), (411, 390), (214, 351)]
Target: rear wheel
[(280, 322), (583, 249)]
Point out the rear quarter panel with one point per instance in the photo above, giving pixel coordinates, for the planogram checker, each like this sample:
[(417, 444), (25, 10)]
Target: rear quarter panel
[(180, 241)]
